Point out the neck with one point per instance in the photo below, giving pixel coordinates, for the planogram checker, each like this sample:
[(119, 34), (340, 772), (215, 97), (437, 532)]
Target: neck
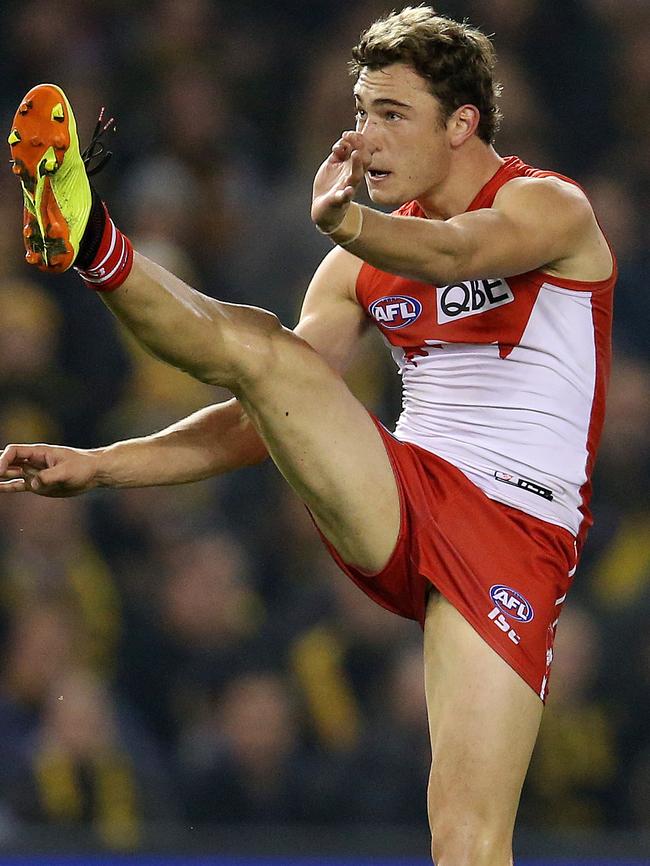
[(470, 168)]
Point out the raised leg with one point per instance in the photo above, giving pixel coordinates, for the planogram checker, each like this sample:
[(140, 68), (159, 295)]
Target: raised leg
[(321, 438)]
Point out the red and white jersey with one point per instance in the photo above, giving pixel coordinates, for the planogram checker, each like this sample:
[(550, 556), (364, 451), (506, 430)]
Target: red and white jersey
[(504, 377)]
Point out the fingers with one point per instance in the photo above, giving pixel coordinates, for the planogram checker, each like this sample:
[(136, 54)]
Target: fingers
[(55, 476), (32, 468), (14, 472), (337, 180), (16, 485), (340, 192), (356, 140), (12, 475), (341, 151), (348, 143), (46, 482), (20, 480), (14, 456), (357, 168), (343, 196)]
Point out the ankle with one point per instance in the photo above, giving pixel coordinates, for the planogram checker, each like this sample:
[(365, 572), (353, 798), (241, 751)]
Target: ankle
[(92, 236), (105, 255)]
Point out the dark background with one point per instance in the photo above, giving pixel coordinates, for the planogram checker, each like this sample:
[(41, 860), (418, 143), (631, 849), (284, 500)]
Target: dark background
[(190, 657)]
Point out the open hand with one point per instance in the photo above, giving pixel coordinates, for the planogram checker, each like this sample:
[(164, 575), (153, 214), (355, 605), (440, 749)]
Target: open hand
[(338, 178), (49, 470)]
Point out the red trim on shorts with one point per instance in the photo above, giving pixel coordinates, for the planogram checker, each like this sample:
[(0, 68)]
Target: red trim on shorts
[(456, 539)]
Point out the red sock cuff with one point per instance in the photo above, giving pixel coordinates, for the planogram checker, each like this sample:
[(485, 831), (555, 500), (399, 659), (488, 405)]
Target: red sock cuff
[(113, 262)]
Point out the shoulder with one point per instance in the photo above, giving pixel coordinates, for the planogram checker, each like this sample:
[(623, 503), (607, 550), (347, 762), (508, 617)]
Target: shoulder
[(545, 196), (341, 264), (556, 211), (337, 275)]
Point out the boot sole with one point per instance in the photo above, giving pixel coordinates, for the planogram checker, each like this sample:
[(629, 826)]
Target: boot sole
[(39, 140)]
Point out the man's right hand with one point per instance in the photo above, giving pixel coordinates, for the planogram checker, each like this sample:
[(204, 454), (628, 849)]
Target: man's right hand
[(48, 470), (337, 180)]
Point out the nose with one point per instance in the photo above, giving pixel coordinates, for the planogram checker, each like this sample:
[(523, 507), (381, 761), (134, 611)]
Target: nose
[(366, 124), (372, 136)]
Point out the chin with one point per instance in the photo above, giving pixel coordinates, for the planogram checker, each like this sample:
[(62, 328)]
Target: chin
[(386, 198)]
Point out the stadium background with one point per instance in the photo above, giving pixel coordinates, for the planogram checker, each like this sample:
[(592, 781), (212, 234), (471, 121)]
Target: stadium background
[(183, 669)]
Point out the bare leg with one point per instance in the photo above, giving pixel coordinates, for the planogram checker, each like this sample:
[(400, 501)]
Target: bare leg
[(483, 722), (322, 439)]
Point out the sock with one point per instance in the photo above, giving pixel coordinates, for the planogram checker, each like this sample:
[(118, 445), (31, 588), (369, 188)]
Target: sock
[(105, 255), (93, 232)]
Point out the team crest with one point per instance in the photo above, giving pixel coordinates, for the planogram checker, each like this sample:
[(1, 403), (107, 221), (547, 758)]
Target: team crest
[(511, 603), (396, 311)]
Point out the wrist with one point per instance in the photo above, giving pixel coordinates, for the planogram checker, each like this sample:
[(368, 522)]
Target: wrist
[(101, 475), (349, 228)]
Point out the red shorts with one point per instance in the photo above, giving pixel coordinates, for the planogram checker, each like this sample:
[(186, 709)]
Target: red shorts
[(506, 572)]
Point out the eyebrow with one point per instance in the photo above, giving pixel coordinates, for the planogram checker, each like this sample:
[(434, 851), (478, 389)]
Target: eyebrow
[(378, 103)]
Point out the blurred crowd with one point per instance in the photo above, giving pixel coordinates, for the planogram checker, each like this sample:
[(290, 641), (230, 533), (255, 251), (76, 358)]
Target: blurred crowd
[(191, 654)]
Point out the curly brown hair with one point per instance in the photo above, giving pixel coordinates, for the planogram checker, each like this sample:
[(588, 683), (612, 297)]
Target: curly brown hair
[(456, 59)]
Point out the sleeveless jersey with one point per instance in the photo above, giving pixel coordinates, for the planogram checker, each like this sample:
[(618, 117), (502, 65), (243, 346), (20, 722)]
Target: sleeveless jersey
[(504, 377)]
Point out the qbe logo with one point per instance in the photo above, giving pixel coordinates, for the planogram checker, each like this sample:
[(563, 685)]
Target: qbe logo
[(471, 297), (396, 311), (511, 603)]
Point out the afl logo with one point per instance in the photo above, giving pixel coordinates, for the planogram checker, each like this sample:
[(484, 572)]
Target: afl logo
[(511, 603), (396, 311)]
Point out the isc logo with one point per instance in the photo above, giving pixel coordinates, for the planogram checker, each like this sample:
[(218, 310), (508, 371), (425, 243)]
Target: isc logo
[(396, 311), (511, 603)]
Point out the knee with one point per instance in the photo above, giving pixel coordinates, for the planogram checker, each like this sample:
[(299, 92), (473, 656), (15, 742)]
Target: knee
[(469, 841), (248, 344)]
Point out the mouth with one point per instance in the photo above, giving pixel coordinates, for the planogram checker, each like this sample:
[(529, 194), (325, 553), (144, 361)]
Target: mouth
[(375, 175)]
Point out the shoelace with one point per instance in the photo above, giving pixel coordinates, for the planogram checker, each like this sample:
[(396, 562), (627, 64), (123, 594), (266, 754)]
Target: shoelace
[(96, 150)]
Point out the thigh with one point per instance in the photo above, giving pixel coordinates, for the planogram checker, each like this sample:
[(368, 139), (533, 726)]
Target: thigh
[(328, 448), (483, 721)]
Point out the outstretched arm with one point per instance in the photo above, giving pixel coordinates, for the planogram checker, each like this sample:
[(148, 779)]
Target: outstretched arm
[(209, 442)]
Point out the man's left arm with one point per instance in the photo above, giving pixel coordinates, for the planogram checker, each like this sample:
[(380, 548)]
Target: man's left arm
[(533, 223), (536, 225)]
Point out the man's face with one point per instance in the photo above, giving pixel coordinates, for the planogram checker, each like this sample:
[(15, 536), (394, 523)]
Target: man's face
[(401, 120)]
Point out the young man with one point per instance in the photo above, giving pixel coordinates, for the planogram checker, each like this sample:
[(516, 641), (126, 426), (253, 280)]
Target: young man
[(493, 285)]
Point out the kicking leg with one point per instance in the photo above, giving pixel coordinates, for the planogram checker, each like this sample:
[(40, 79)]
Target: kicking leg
[(319, 435), (483, 722)]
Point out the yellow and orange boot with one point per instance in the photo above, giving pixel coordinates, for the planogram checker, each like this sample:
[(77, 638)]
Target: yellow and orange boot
[(57, 195)]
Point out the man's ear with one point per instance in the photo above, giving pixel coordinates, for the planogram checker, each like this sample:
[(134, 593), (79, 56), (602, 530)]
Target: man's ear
[(462, 124)]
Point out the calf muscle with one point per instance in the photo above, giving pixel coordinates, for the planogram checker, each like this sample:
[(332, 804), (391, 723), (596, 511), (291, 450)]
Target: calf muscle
[(213, 341)]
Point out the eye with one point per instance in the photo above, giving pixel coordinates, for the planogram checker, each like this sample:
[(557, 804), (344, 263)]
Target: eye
[(393, 115), (361, 114)]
